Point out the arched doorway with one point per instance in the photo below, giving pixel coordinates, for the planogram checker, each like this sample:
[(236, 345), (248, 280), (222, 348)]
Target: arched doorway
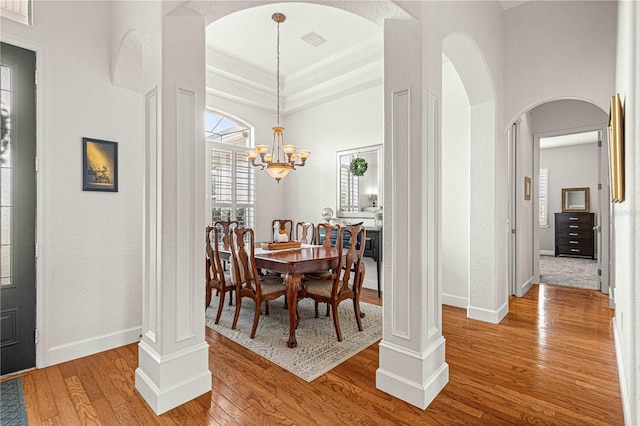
[(472, 194), (533, 221)]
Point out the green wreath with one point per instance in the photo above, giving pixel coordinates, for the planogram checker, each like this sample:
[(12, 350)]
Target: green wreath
[(358, 166)]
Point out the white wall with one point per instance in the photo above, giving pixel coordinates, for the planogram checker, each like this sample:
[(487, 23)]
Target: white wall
[(554, 50), (580, 172), (626, 234), (90, 265), (455, 188)]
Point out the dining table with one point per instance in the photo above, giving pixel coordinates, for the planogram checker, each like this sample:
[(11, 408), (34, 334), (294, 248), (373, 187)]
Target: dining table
[(293, 264)]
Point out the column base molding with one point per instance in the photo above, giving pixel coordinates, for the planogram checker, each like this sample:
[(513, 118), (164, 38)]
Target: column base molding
[(413, 377), (182, 376), (486, 315)]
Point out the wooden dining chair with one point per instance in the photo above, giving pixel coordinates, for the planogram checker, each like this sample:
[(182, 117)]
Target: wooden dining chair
[(285, 224), (305, 232), (259, 288), (326, 238), (347, 278), (216, 276)]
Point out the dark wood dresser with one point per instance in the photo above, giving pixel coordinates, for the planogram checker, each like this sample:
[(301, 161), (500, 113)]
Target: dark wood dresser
[(574, 234)]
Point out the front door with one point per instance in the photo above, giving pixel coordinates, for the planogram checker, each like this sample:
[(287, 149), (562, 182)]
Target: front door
[(17, 210)]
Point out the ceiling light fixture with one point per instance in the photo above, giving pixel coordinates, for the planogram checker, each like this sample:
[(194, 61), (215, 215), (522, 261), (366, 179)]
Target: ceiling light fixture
[(282, 158)]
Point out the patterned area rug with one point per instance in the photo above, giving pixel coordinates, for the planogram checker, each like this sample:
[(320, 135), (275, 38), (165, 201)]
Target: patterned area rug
[(569, 272), (12, 408), (318, 348)]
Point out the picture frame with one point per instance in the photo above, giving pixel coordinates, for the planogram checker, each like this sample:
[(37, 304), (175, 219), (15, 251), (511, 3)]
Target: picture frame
[(99, 165), (616, 149), (527, 188)]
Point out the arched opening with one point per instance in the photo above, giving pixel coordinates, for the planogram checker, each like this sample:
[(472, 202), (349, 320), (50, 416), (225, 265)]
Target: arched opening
[(543, 138), (486, 292)]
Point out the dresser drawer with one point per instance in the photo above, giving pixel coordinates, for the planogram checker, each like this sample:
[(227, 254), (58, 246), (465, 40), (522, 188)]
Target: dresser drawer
[(574, 219), (574, 233), (568, 241), (574, 251)]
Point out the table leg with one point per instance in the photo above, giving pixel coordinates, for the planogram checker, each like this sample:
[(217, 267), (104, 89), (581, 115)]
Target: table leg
[(292, 282)]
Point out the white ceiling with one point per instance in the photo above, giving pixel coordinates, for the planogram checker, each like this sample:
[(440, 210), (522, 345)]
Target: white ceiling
[(567, 140), (250, 36)]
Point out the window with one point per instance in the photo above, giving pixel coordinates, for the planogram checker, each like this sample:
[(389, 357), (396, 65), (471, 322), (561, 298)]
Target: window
[(232, 180), (544, 202), (6, 168)]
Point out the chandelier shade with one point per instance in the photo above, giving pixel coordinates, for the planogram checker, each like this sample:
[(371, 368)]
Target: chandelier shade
[(282, 158)]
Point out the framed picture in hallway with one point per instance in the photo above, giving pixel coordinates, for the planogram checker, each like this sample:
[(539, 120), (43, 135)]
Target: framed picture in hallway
[(527, 188), (616, 149), (99, 165)]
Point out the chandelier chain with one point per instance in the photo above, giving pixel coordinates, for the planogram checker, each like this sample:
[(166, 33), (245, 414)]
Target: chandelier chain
[(278, 73)]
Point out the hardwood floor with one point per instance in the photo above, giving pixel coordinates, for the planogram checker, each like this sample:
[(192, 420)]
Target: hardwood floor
[(550, 361)]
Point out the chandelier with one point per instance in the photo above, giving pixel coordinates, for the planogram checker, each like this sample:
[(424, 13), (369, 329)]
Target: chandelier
[(282, 158)]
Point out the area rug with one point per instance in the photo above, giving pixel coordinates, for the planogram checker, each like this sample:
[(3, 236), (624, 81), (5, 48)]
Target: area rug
[(318, 348), (12, 408), (569, 272)]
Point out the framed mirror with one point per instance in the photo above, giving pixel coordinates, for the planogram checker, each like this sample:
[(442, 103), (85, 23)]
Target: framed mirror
[(359, 178), (575, 199)]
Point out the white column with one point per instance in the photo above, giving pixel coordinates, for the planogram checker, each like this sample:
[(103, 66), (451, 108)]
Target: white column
[(173, 353), (412, 350)]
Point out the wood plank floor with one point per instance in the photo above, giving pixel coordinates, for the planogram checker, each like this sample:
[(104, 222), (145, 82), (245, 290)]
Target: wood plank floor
[(550, 361)]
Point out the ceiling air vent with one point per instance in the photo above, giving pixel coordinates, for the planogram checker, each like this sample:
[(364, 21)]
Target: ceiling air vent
[(313, 39)]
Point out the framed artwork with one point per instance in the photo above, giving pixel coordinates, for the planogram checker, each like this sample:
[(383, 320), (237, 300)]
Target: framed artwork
[(616, 149), (527, 188), (99, 165)]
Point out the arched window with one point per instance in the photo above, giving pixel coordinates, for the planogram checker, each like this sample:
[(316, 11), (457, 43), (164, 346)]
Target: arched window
[(232, 180)]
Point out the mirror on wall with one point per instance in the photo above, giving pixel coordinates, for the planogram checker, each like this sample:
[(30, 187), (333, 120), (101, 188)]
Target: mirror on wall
[(575, 199), (359, 181)]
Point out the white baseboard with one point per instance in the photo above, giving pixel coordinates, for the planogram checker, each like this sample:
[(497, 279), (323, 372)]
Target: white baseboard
[(527, 286), (547, 253), (488, 315), (81, 348), (626, 401), (455, 301)]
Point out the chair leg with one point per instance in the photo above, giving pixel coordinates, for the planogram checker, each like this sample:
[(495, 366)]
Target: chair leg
[(220, 306), (316, 302), (256, 317), (328, 308), (231, 299), (356, 310), (336, 320), (266, 307), (207, 300), (237, 314)]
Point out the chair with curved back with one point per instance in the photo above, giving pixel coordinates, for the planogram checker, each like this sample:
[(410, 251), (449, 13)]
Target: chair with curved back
[(327, 241), (346, 280), (285, 224), (216, 276), (248, 282), (305, 232)]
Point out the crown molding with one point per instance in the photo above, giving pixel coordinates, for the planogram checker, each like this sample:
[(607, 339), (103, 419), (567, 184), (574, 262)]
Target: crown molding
[(343, 74)]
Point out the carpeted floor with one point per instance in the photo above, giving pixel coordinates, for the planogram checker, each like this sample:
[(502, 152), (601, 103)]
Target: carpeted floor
[(318, 348), (12, 408), (569, 272)]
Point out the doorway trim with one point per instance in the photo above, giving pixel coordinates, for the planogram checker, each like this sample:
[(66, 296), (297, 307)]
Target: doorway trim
[(602, 218)]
